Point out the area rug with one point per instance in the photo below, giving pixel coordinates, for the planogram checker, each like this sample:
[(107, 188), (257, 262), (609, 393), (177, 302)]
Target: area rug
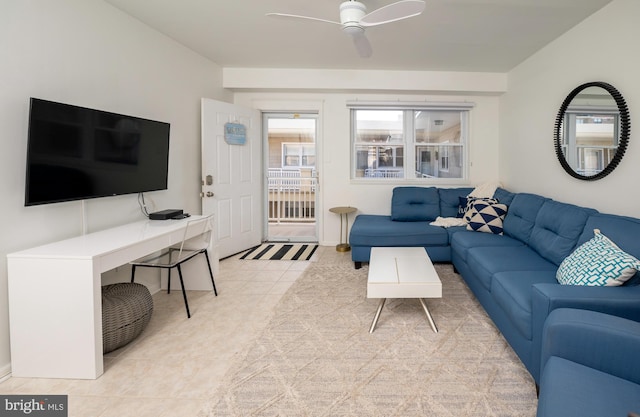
[(316, 357), (281, 251)]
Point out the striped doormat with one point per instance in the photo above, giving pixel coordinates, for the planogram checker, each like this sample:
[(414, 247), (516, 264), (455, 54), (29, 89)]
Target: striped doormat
[(281, 251)]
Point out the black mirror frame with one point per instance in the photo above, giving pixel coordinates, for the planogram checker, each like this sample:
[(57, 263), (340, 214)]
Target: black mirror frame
[(625, 128)]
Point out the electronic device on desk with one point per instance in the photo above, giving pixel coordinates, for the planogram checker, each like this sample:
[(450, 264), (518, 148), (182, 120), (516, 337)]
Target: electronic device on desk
[(168, 214), (77, 153)]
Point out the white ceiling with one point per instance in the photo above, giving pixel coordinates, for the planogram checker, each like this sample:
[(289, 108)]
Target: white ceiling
[(450, 35)]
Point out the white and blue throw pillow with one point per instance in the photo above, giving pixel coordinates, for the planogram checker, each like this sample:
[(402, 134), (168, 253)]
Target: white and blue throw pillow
[(597, 262), (466, 211), (486, 217)]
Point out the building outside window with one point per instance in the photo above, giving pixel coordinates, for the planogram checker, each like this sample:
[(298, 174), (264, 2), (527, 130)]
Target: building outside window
[(423, 143)]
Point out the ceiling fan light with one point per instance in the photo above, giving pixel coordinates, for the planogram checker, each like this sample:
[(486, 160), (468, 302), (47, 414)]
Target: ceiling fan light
[(353, 30)]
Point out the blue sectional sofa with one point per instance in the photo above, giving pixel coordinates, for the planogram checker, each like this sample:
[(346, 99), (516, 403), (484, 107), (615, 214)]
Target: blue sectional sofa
[(513, 275), (590, 365)]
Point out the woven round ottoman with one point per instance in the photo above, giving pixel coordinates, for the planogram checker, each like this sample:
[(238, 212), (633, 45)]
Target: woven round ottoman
[(126, 312)]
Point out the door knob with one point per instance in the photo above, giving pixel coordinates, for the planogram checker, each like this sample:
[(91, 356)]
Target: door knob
[(209, 194)]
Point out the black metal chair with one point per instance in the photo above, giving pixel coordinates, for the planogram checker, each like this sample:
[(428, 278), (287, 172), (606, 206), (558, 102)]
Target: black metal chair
[(196, 240)]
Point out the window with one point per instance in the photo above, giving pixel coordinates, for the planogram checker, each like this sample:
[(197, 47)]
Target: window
[(298, 155), (428, 142), (379, 143)]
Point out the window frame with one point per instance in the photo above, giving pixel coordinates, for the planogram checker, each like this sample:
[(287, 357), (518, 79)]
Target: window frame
[(409, 144)]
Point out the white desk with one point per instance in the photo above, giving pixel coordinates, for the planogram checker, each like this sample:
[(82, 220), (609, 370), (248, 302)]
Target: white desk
[(55, 301)]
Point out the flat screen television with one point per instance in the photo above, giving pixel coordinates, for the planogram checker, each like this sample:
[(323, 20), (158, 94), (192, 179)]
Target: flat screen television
[(76, 153)]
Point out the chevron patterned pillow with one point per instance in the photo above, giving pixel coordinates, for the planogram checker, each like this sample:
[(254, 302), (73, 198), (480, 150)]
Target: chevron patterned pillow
[(487, 217), (597, 262)]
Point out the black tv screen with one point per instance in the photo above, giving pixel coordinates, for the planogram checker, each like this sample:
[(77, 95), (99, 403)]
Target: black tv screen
[(76, 153)]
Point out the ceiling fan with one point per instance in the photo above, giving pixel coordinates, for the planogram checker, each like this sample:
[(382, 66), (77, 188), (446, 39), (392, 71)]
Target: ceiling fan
[(354, 19)]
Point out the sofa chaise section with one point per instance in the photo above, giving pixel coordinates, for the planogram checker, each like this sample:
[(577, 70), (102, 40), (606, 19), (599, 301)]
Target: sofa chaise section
[(412, 211)]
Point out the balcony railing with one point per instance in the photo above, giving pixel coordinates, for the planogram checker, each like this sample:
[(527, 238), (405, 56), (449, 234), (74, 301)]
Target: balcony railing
[(292, 196), (383, 173)]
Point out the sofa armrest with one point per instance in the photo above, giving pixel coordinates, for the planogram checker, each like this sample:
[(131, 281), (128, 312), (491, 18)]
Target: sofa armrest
[(618, 301), (600, 341)]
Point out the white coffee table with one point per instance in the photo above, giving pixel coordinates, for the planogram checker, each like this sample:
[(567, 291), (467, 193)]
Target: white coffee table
[(399, 272)]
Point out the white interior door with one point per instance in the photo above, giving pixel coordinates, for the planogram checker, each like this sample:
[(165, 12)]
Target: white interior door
[(232, 177)]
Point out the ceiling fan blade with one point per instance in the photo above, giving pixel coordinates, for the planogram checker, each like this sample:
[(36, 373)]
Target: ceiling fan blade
[(361, 43), (295, 16), (393, 12)]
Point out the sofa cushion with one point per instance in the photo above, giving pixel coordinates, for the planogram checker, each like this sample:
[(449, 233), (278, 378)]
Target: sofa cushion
[(415, 204), (450, 200), (487, 217), (487, 261), (461, 242), (597, 262), (512, 290), (557, 229), (503, 196), (569, 389), (523, 210), (374, 230)]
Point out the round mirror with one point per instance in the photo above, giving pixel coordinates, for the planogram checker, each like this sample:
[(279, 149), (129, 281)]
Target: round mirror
[(592, 131)]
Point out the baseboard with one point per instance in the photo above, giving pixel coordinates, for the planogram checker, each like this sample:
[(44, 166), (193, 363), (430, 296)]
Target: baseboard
[(5, 372)]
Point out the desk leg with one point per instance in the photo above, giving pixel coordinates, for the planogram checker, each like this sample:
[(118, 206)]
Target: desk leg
[(377, 316), (426, 310), (56, 318)]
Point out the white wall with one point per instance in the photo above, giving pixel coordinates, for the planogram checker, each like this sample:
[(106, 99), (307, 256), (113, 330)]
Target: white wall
[(87, 53), (334, 147), (601, 48)]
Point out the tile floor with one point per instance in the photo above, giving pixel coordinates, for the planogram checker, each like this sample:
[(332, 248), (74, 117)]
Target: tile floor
[(174, 367)]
